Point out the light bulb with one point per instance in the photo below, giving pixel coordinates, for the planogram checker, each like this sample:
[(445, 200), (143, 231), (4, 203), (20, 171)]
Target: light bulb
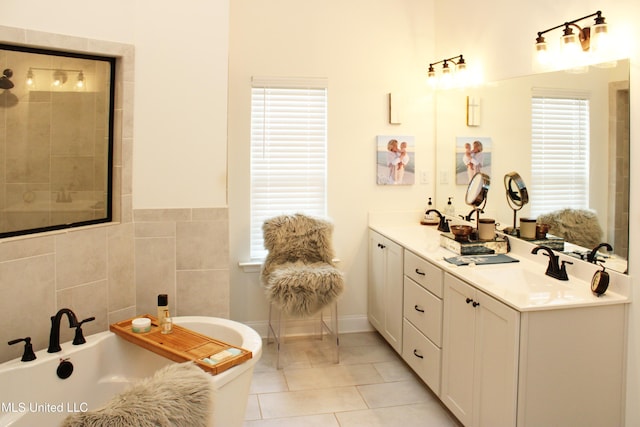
[(80, 83), (542, 51), (600, 40), (570, 48), (31, 80)]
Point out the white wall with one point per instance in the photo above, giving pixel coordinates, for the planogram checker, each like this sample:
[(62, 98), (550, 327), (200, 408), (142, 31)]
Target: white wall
[(366, 50), (500, 34)]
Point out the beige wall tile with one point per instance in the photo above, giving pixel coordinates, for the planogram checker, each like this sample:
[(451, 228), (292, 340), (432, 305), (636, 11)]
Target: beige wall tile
[(24, 248), (155, 272), (155, 229), (81, 257), (149, 215), (28, 300), (121, 267), (203, 293), (202, 245)]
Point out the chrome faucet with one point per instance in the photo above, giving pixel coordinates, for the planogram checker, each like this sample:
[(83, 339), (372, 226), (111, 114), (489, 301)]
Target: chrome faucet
[(54, 335), (593, 256), (554, 269), (444, 223)]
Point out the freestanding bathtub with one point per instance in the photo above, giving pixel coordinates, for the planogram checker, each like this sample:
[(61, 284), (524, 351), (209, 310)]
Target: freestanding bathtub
[(32, 394)]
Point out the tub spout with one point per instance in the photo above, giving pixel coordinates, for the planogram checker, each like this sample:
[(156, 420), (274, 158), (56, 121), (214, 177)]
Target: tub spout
[(54, 335)]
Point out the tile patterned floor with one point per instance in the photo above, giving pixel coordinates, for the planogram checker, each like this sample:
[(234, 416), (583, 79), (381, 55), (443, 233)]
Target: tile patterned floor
[(371, 386)]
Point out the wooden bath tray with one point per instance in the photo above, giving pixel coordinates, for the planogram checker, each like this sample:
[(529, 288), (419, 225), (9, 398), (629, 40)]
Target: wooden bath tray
[(181, 345)]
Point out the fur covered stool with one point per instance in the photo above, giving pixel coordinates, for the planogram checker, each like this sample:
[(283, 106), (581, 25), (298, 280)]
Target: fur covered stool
[(299, 274)]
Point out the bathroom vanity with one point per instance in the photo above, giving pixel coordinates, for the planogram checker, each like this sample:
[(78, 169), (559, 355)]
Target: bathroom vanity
[(501, 344)]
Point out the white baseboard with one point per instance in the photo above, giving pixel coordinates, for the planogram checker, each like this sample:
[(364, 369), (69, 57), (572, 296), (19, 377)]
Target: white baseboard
[(299, 327)]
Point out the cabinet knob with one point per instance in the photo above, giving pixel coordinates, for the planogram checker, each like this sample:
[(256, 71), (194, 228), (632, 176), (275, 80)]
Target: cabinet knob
[(469, 300), (417, 308), (422, 273), (475, 304), (381, 246), (416, 354)]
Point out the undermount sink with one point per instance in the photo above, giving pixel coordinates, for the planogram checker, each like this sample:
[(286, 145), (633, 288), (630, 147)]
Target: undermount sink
[(525, 284)]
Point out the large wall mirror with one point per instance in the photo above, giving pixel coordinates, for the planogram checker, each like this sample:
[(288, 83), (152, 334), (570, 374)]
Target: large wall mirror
[(56, 139), (502, 118)]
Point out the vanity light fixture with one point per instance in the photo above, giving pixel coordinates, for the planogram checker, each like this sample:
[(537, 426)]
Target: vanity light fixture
[(588, 39), (58, 78), (448, 77)]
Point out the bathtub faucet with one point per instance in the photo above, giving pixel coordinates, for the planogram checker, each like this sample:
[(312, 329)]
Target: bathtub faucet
[(54, 335)]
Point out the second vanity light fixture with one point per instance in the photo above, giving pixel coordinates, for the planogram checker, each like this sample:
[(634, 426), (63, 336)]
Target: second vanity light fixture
[(58, 78), (453, 73), (587, 40)]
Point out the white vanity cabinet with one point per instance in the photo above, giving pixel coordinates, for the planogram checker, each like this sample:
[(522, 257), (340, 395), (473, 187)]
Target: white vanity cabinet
[(500, 345), (422, 332), (385, 288), (480, 356)]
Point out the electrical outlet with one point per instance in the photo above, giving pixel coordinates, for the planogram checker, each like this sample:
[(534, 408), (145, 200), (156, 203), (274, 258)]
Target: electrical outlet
[(444, 177), (424, 177)]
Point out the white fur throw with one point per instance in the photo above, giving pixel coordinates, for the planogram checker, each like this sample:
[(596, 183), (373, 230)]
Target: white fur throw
[(176, 396), (298, 273), (578, 226)]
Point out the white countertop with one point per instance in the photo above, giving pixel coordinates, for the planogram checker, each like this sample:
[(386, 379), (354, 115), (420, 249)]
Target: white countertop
[(522, 285)]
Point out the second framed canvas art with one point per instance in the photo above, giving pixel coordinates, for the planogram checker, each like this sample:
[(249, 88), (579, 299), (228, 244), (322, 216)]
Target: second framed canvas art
[(473, 155)]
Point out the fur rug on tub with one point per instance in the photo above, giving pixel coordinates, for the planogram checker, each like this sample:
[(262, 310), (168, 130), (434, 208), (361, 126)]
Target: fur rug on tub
[(175, 396)]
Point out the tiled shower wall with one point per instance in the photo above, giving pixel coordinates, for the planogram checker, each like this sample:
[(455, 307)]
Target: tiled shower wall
[(114, 272)]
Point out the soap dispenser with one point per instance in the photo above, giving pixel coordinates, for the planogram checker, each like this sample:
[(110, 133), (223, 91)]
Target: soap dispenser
[(429, 217), (450, 209)]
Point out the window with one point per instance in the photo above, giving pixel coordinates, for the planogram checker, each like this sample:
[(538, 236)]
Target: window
[(559, 151), (288, 151), (56, 140)]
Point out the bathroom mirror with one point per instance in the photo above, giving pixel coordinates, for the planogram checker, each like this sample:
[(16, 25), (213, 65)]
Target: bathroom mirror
[(517, 197), (477, 189), (56, 110), (505, 118)]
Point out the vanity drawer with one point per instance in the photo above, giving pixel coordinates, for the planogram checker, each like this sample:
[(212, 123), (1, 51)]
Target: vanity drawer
[(422, 356), (424, 273), (423, 310)]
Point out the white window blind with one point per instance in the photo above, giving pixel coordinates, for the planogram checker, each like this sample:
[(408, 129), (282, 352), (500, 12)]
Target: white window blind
[(559, 151), (288, 151)]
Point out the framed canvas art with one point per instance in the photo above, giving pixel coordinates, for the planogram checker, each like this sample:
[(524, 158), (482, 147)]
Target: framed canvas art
[(395, 160)]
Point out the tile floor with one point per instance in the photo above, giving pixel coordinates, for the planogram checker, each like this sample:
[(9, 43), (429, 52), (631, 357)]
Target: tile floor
[(371, 386)]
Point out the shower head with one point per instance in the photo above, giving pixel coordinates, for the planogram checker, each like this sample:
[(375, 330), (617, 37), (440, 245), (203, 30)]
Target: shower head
[(5, 83)]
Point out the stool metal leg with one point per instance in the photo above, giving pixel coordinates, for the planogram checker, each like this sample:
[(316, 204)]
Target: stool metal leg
[(277, 332), (332, 328)]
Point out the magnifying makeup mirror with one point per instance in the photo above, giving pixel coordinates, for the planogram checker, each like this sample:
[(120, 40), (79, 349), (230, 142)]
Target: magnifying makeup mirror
[(517, 197), (477, 192)]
